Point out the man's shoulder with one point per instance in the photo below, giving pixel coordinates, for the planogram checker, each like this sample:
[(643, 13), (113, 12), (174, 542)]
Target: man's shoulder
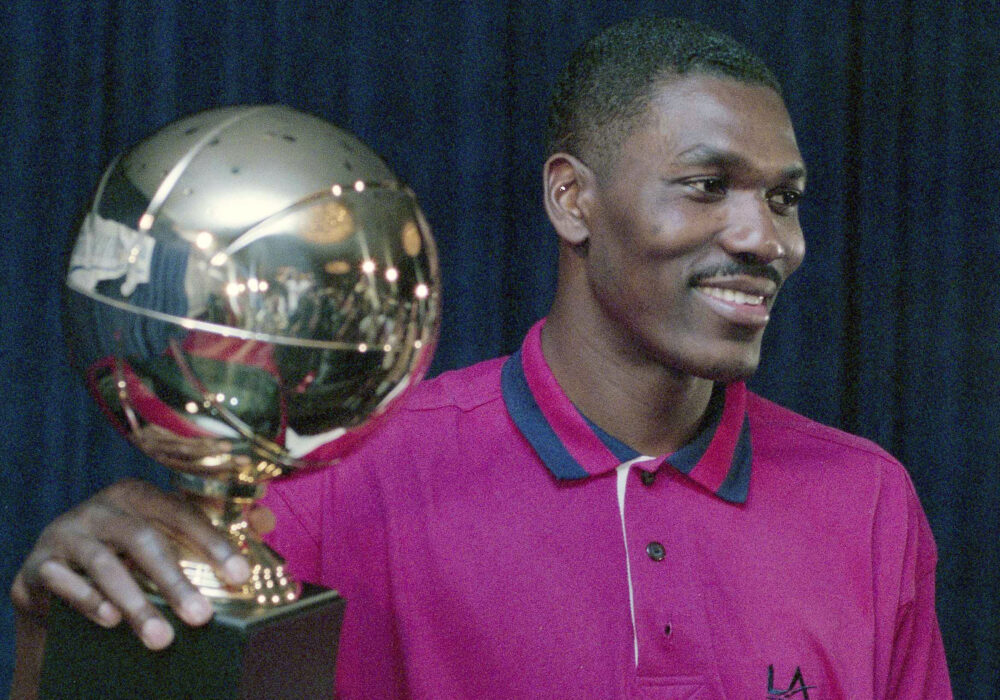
[(785, 428), (463, 389), (791, 448), (417, 430)]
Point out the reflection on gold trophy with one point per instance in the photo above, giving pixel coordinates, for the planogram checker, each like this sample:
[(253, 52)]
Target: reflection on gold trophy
[(250, 289)]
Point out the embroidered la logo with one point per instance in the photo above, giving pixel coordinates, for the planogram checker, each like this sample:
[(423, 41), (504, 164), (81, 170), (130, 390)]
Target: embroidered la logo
[(796, 689)]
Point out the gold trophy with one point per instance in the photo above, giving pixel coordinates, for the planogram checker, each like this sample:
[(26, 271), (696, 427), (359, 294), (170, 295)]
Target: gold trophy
[(250, 292)]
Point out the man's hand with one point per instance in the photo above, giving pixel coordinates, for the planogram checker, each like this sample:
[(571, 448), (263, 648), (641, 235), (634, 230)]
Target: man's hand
[(79, 557)]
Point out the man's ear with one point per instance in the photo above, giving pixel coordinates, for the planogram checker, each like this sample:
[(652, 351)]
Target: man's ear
[(569, 192)]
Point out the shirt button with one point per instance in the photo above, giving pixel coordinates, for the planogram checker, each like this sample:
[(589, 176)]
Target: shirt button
[(647, 477), (656, 551)]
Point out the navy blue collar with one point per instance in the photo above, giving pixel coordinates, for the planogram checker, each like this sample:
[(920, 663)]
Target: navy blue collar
[(572, 447)]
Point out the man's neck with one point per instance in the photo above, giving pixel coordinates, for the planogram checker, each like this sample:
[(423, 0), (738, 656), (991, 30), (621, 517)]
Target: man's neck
[(652, 408)]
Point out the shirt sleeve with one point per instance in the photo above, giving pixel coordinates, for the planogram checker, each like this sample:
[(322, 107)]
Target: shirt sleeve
[(915, 663), (333, 530), (297, 504), (370, 658)]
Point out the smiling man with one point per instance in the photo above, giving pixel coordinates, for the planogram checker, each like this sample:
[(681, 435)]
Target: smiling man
[(609, 512)]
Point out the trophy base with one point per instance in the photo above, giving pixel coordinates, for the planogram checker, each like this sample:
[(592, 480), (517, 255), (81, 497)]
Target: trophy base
[(281, 652)]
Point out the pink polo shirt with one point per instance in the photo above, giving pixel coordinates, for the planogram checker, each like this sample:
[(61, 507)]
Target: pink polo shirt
[(492, 543)]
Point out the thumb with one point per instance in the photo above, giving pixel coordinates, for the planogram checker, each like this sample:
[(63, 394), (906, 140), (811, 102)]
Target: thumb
[(261, 519)]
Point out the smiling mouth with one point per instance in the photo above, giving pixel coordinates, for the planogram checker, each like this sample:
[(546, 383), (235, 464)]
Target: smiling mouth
[(733, 296), (741, 300)]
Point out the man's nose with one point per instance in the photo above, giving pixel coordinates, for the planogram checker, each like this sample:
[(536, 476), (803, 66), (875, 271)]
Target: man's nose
[(756, 231)]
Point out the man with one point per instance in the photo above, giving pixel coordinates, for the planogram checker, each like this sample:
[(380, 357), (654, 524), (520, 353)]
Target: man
[(608, 512)]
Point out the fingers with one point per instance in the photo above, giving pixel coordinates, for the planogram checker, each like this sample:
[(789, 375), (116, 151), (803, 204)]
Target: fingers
[(56, 578), (97, 584), (67, 584), (261, 519), (155, 556), (78, 557), (183, 520)]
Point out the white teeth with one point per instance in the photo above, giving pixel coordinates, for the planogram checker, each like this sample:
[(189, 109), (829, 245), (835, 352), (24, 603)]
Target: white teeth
[(733, 296)]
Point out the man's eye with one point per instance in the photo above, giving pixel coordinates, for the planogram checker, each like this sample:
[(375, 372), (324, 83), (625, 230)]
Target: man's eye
[(714, 186), (784, 200)]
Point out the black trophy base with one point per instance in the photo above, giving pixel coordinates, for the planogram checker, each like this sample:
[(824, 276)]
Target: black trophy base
[(285, 652)]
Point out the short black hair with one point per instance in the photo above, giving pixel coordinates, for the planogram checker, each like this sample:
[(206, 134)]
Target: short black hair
[(609, 80)]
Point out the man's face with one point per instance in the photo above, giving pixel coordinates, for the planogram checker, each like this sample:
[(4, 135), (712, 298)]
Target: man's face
[(695, 226)]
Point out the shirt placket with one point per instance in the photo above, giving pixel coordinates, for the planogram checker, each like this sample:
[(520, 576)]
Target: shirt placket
[(669, 621)]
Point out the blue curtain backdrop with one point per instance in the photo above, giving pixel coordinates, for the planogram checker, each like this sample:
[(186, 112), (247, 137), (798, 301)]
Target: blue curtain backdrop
[(890, 330)]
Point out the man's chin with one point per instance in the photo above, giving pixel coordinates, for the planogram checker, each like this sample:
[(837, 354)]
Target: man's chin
[(726, 369), (708, 358)]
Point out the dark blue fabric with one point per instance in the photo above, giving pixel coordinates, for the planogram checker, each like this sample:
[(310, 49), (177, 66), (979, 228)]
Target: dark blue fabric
[(736, 487), (889, 329), (528, 416), (685, 459), (619, 449)]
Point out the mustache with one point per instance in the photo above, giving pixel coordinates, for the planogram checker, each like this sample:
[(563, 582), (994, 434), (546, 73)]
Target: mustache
[(733, 268)]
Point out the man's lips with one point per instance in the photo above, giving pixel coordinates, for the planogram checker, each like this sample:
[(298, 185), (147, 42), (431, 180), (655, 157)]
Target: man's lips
[(742, 289), (740, 299), (740, 292), (733, 296), (750, 278)]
